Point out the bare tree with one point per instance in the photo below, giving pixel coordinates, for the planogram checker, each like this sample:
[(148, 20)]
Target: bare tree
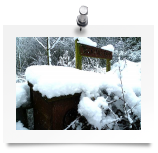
[(48, 46)]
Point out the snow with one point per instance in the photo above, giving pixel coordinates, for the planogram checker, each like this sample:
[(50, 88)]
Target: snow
[(92, 110), (17, 78), (86, 41), (55, 81), (108, 47), (20, 126), (131, 80), (131, 75), (22, 94)]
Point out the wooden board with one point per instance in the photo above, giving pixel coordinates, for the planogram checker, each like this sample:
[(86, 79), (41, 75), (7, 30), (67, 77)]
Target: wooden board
[(94, 52)]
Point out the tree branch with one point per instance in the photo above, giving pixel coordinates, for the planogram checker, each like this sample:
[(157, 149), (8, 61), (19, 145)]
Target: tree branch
[(122, 89), (40, 43), (55, 43), (72, 123)]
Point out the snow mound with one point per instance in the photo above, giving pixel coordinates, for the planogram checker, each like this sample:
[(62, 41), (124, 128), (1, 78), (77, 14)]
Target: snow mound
[(22, 93), (92, 110), (86, 41), (54, 81), (20, 126), (108, 47)]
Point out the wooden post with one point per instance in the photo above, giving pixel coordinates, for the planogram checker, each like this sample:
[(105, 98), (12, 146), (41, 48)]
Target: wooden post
[(78, 56), (108, 65), (90, 51)]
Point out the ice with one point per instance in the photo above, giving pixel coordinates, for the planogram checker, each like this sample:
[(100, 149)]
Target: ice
[(108, 47), (22, 94), (86, 41)]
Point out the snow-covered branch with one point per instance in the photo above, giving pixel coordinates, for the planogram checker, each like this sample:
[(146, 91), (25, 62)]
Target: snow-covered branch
[(40, 43), (55, 43), (122, 88), (72, 123)]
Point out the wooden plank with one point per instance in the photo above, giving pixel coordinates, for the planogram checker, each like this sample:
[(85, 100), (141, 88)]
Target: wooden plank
[(94, 52)]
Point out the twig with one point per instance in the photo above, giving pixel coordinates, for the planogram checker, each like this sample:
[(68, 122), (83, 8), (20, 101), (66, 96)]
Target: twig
[(132, 107), (122, 90), (55, 43), (115, 71), (116, 120), (114, 116), (21, 79), (40, 43), (72, 123)]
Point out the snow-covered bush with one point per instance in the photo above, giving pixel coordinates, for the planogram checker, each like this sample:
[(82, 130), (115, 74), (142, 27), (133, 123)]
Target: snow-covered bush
[(114, 108), (65, 60), (20, 78), (93, 111)]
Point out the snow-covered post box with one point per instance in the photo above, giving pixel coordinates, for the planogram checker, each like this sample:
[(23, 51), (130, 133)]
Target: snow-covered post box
[(54, 96)]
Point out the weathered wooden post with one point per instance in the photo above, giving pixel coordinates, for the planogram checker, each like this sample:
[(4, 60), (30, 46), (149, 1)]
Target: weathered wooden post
[(89, 51), (78, 56), (108, 65), (55, 113)]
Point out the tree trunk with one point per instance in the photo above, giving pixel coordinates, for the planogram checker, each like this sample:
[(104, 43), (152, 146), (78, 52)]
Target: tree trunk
[(48, 51), (19, 62)]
